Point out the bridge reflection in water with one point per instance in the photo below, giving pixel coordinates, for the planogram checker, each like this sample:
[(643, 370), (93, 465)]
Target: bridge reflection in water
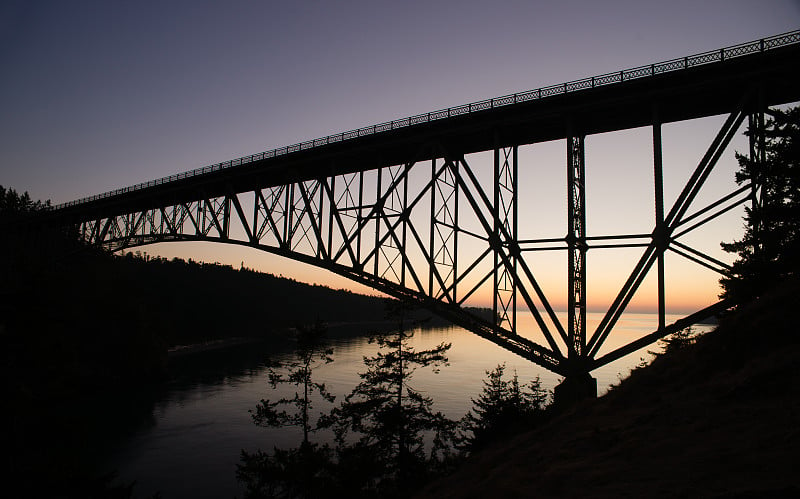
[(399, 206)]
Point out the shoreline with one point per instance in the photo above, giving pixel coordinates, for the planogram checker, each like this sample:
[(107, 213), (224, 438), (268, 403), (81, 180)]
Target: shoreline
[(335, 330), (211, 345)]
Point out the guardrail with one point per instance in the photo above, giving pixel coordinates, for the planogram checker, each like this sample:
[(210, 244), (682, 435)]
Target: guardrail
[(723, 54)]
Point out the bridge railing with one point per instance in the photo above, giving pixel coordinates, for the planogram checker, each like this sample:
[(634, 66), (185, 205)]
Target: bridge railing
[(711, 57)]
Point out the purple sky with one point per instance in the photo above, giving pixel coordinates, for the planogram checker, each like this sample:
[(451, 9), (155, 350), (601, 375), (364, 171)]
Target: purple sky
[(97, 95)]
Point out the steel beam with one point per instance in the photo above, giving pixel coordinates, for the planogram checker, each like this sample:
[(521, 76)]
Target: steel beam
[(505, 216), (576, 242), (493, 242), (659, 234), (672, 220)]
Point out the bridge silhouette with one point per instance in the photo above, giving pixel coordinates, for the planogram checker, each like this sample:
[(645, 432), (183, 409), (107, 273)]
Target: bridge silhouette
[(398, 207)]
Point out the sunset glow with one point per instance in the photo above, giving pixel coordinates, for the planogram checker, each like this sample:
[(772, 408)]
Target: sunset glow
[(94, 105)]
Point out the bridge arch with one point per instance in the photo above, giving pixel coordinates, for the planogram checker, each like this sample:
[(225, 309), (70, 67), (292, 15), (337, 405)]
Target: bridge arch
[(402, 229), (399, 206)]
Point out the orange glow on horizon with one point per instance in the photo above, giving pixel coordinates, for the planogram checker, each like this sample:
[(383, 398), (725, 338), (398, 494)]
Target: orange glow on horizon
[(688, 288), (615, 205)]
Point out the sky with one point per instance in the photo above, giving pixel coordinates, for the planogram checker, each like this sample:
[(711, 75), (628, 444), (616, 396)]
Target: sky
[(97, 95)]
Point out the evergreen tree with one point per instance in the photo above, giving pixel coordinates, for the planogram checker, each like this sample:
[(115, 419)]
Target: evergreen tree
[(381, 426), (303, 471), (309, 353), (768, 252), (503, 408), (12, 203), (676, 341), (28, 248)]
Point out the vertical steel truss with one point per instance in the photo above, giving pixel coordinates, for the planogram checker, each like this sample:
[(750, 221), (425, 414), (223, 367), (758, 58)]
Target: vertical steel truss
[(758, 151), (504, 305), (576, 241), (443, 257), (401, 230)]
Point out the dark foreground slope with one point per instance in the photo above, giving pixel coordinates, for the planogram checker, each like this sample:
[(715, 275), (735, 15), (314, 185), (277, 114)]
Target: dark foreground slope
[(719, 419)]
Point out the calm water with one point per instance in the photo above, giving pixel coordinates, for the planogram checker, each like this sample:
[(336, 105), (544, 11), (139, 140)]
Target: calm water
[(187, 440)]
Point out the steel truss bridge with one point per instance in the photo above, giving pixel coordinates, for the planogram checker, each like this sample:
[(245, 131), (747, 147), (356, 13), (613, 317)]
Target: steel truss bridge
[(398, 207)]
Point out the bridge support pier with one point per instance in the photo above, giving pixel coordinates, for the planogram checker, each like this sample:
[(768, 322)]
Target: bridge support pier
[(575, 389)]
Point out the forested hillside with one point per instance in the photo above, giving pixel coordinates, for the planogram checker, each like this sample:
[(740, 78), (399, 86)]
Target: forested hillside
[(95, 317)]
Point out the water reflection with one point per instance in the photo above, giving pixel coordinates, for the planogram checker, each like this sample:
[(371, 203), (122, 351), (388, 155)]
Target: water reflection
[(189, 441)]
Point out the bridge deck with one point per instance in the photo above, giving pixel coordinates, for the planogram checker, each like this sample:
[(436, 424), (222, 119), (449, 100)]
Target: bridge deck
[(693, 87)]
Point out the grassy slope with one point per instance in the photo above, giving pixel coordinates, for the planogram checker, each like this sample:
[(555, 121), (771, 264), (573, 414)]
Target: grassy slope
[(720, 419)]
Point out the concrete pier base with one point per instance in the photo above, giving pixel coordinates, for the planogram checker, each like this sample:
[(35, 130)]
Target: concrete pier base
[(575, 389)]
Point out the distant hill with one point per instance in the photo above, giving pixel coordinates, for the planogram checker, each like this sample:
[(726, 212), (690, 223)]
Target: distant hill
[(91, 319), (718, 419), (204, 301)]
